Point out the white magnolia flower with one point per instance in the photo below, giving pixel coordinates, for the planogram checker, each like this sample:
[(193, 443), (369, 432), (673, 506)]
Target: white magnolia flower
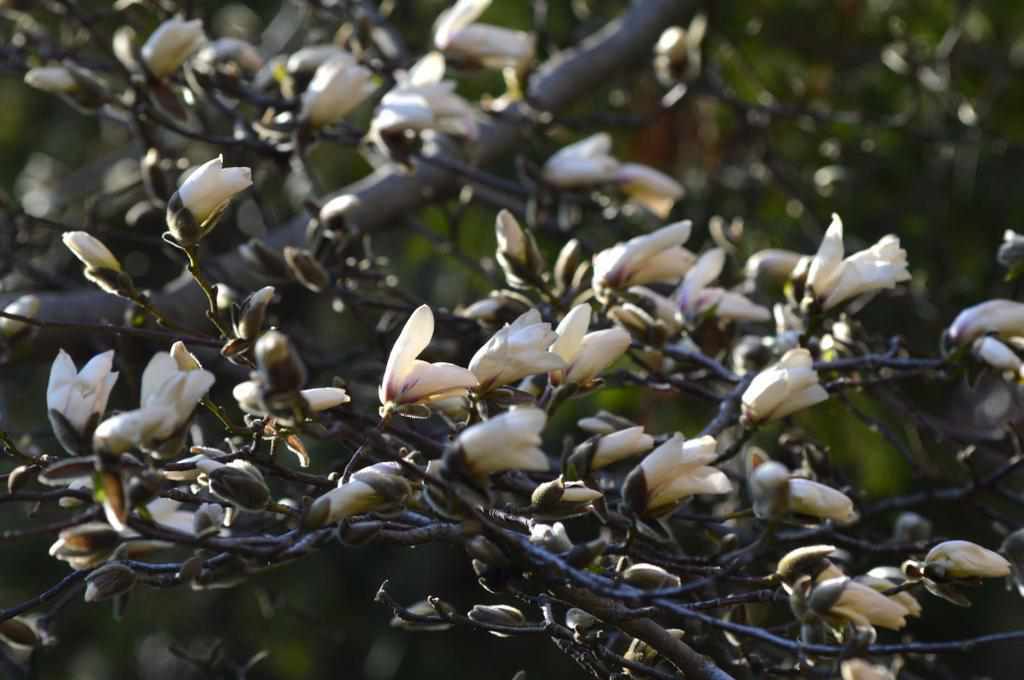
[(338, 86), (27, 306), (652, 258), (90, 250), (210, 187), (586, 355), (616, 446), (652, 189), (996, 354), (834, 280), (52, 79), (1002, 317), (173, 384), (516, 351), (510, 441), (423, 100), (811, 498), (80, 396), (457, 33), (787, 387), (377, 488), (409, 380), (675, 470), (965, 560), (171, 44), (729, 306), (582, 164), (844, 600)]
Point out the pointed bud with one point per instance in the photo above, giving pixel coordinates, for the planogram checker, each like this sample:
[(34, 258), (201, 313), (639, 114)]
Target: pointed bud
[(280, 366), (306, 269), (253, 313), (193, 210), (109, 581)]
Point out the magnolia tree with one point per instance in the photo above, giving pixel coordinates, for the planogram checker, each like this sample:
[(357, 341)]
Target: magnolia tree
[(638, 542)]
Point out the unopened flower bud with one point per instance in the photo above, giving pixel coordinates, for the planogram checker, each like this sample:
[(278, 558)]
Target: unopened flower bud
[(195, 208), (551, 537), (238, 482), (109, 581), (811, 560), (769, 490), (517, 252), (497, 615), (86, 545), (253, 313), (650, 577), (306, 269), (52, 79), (955, 560), (844, 600), (280, 366), (171, 44)]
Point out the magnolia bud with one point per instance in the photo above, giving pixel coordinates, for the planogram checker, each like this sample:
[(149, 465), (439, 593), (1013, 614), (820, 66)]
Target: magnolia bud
[(551, 537), (517, 252), (239, 483), (306, 269), (811, 560), (253, 313), (109, 581), (423, 609), (279, 364), (955, 560), (497, 615), (650, 577), (171, 44), (769, 490), (86, 545), (197, 205), (52, 79)]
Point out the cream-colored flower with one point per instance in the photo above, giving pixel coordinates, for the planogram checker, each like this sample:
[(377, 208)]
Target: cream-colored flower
[(204, 194), (409, 380), (652, 189), (1002, 317), (833, 280), (996, 354), (908, 601), (695, 297), (675, 470), (586, 355), (423, 100), (964, 560), (338, 87), (458, 34), (510, 441), (516, 351), (171, 44), (652, 258), (787, 387), (616, 446), (80, 396), (841, 600), (583, 164), (807, 497), (90, 251), (378, 488)]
